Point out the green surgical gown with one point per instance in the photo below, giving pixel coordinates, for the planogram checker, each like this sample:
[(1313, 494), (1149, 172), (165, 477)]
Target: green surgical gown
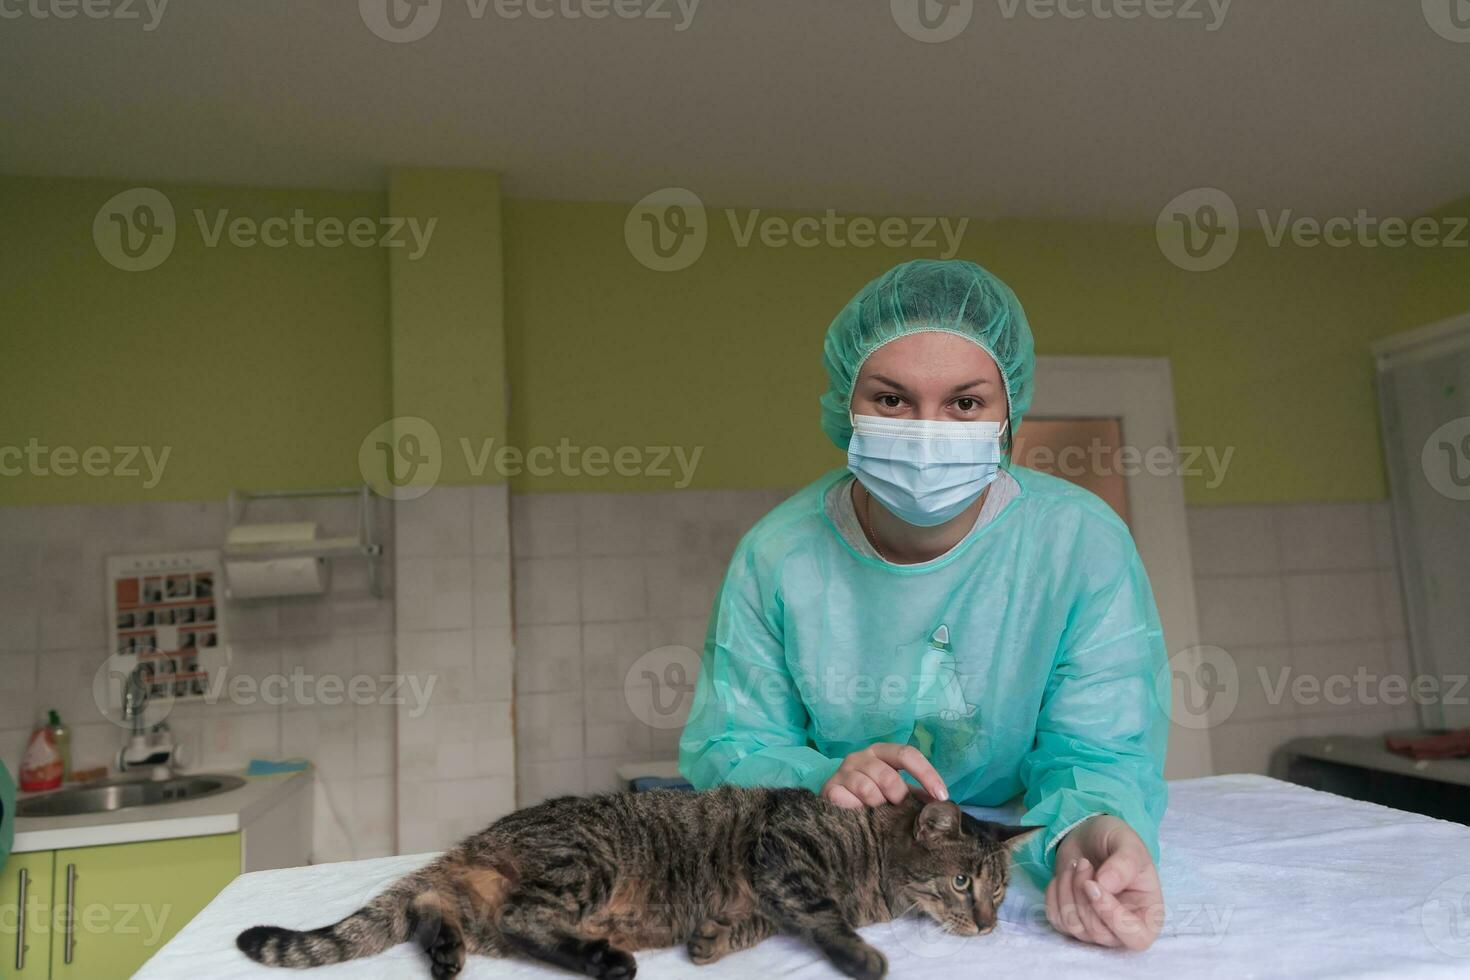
[(1028, 661)]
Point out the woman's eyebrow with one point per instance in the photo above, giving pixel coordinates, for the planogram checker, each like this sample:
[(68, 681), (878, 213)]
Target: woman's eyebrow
[(889, 382), (899, 386)]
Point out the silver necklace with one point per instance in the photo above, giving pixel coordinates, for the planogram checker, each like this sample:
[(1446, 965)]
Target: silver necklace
[(867, 522)]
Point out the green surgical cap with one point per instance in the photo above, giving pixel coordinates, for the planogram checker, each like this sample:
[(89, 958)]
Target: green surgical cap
[(950, 296)]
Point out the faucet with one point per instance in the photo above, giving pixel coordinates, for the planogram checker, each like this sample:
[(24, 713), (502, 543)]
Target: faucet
[(135, 702), (154, 750)]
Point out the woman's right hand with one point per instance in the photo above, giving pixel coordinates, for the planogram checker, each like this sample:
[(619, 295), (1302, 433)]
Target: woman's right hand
[(871, 777)]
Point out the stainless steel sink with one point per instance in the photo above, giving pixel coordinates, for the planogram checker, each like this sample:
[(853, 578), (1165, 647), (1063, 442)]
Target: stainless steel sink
[(107, 795)]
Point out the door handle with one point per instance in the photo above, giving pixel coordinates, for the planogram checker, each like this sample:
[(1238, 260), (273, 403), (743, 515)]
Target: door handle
[(69, 936), (20, 935)]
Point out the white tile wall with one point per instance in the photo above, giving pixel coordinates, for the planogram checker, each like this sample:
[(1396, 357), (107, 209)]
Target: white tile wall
[(1305, 598), (456, 760), (601, 579), (53, 637)]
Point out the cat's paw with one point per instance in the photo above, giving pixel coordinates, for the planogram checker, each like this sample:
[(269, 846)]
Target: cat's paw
[(859, 961), (607, 962), (446, 955), (709, 942)]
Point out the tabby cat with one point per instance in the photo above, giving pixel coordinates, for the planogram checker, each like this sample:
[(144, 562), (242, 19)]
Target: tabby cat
[(581, 882)]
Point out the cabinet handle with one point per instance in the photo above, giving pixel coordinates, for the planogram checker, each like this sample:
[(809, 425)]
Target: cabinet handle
[(69, 937), (20, 936)]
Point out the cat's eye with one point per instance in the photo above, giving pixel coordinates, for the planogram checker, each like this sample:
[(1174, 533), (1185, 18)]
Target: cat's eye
[(961, 882), (999, 891)]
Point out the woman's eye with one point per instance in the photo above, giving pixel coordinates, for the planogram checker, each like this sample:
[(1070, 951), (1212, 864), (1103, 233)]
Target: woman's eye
[(962, 882), (966, 404), (890, 401)]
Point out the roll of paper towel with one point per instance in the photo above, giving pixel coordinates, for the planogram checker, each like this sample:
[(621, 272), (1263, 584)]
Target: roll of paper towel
[(273, 576)]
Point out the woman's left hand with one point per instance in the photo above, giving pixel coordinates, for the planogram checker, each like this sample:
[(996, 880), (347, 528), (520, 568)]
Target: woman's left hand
[(1104, 888)]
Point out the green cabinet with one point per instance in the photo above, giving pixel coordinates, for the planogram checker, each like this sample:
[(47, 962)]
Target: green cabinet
[(101, 912), (25, 916)]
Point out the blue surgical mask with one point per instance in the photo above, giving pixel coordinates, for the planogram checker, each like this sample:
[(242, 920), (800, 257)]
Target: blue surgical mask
[(925, 472)]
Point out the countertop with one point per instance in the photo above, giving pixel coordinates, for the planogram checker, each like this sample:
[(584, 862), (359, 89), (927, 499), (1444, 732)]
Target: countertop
[(223, 813), (1261, 878), (1370, 753)]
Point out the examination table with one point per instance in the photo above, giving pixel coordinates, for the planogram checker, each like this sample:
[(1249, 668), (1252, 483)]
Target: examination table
[(1261, 879)]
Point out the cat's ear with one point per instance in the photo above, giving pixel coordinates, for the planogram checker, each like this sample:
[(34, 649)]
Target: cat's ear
[(1012, 837), (937, 821)]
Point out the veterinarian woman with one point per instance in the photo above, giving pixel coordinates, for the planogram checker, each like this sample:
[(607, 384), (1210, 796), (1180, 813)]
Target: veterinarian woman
[(939, 611)]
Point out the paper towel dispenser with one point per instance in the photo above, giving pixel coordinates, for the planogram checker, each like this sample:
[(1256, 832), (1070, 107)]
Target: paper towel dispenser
[(270, 559), (250, 575)]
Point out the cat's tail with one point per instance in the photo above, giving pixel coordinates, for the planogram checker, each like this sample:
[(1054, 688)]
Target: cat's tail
[(386, 921)]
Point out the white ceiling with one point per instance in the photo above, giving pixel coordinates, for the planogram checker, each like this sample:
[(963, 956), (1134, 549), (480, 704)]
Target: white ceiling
[(1322, 106)]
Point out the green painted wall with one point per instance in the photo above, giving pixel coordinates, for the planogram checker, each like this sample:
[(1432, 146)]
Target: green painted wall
[(267, 367), (1437, 279), (448, 320), (1269, 352), (256, 367)]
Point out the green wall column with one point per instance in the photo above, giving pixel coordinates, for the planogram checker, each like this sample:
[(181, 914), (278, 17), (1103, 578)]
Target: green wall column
[(447, 319)]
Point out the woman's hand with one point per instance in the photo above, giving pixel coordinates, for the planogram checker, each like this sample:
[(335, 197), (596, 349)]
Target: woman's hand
[(1105, 889), (871, 777)]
